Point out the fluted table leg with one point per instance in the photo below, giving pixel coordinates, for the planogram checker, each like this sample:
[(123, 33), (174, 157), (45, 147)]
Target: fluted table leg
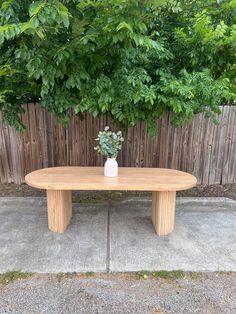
[(59, 210), (163, 211)]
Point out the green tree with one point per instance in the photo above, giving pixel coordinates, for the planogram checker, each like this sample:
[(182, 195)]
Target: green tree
[(131, 59)]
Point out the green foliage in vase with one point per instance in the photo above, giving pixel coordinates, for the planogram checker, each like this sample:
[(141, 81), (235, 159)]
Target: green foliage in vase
[(109, 143), (131, 59)]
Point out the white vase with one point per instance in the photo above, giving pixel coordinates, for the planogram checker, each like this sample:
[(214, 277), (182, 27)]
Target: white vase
[(111, 168)]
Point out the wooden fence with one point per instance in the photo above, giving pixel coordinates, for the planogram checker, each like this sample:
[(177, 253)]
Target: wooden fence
[(202, 148)]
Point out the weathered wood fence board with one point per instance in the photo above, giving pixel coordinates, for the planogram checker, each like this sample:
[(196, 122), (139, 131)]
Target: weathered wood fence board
[(201, 148)]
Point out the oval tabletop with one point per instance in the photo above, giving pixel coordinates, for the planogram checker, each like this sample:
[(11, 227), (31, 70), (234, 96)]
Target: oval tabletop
[(92, 178)]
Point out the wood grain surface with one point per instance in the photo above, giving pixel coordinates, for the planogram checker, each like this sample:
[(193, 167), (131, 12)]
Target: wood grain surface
[(163, 212), (59, 205), (92, 178)]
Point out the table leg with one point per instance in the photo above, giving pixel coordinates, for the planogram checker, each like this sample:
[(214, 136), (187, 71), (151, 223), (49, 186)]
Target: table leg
[(163, 211), (59, 210)]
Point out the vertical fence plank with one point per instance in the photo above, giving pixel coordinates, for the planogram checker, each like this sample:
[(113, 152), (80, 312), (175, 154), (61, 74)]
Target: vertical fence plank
[(206, 149), (5, 175), (175, 148), (189, 149), (34, 137), (163, 147), (214, 153), (3, 178), (232, 158), (222, 145), (74, 140), (227, 148), (135, 145), (183, 159), (15, 156), (197, 142), (7, 156), (42, 133)]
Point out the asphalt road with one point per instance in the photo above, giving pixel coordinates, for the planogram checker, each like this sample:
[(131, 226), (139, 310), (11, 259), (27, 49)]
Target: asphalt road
[(121, 293)]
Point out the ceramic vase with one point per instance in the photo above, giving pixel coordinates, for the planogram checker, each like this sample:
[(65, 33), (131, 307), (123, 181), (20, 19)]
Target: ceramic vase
[(111, 167)]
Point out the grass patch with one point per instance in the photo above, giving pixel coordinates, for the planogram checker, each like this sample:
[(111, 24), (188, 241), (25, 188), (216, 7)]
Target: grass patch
[(89, 200), (89, 274), (143, 274), (11, 276), (61, 276), (177, 274)]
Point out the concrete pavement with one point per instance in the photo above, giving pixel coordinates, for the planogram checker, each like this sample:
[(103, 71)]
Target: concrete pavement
[(118, 236)]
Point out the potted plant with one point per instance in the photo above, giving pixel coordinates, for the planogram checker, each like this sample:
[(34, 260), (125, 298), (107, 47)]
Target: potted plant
[(109, 145)]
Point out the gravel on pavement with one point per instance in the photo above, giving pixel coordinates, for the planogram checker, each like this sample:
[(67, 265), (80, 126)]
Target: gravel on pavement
[(120, 293)]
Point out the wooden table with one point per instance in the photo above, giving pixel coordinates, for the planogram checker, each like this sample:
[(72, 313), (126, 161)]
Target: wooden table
[(60, 181)]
